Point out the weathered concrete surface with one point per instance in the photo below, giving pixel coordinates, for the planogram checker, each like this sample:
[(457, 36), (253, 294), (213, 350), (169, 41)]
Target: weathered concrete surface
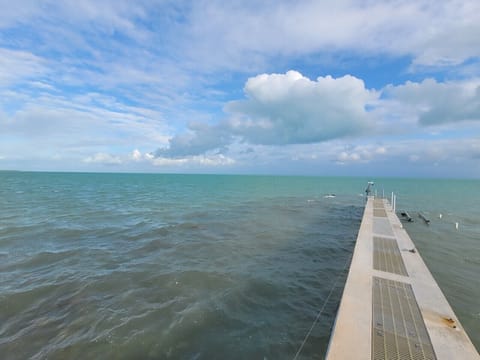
[(352, 334), (351, 338)]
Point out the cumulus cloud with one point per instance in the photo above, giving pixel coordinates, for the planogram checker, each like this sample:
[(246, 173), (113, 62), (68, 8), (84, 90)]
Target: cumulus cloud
[(292, 109), (433, 102), (282, 109), (199, 139), (285, 109)]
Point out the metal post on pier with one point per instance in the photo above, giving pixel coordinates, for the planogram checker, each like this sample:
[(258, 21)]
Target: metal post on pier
[(368, 190)]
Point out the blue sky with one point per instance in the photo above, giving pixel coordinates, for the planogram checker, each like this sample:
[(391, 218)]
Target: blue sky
[(374, 88)]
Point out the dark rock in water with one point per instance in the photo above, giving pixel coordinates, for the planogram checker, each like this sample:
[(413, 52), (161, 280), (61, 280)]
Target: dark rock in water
[(424, 218)]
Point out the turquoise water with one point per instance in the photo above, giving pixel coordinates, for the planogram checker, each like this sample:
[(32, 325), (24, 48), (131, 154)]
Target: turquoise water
[(131, 266)]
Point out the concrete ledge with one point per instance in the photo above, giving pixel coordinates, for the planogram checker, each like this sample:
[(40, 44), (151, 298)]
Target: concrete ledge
[(351, 338)]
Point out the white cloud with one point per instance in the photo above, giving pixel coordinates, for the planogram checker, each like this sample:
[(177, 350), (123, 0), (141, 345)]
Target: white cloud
[(48, 124), (414, 158), (106, 78), (161, 161), (105, 16), (361, 154), (381, 150), (42, 85), (200, 161), (283, 109), (103, 158), (427, 151), (429, 32), (136, 155), (292, 109), (12, 13), (448, 40), (431, 102), (16, 66), (199, 138), (206, 36), (212, 160)]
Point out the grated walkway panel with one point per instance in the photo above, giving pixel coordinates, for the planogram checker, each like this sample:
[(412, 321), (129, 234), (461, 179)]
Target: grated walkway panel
[(398, 330), (381, 226), (378, 203), (387, 257), (379, 212)]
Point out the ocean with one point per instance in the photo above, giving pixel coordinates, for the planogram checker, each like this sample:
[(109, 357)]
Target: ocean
[(153, 266)]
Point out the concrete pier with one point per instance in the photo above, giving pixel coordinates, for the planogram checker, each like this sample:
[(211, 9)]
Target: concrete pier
[(392, 307)]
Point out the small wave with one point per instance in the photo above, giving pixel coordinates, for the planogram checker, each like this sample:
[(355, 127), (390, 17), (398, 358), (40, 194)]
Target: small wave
[(42, 259), (472, 260)]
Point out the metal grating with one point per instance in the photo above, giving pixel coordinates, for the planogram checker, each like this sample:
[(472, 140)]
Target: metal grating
[(398, 330), (381, 226), (379, 212), (378, 203), (386, 256)]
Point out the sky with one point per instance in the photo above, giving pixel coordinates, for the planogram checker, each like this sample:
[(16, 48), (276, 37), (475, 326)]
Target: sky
[(347, 88)]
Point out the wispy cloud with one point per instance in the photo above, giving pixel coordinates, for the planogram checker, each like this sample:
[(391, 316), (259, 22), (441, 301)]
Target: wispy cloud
[(18, 66), (53, 124), (251, 33)]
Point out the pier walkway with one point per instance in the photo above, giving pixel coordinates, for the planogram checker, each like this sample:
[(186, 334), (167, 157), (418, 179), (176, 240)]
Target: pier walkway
[(392, 308)]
